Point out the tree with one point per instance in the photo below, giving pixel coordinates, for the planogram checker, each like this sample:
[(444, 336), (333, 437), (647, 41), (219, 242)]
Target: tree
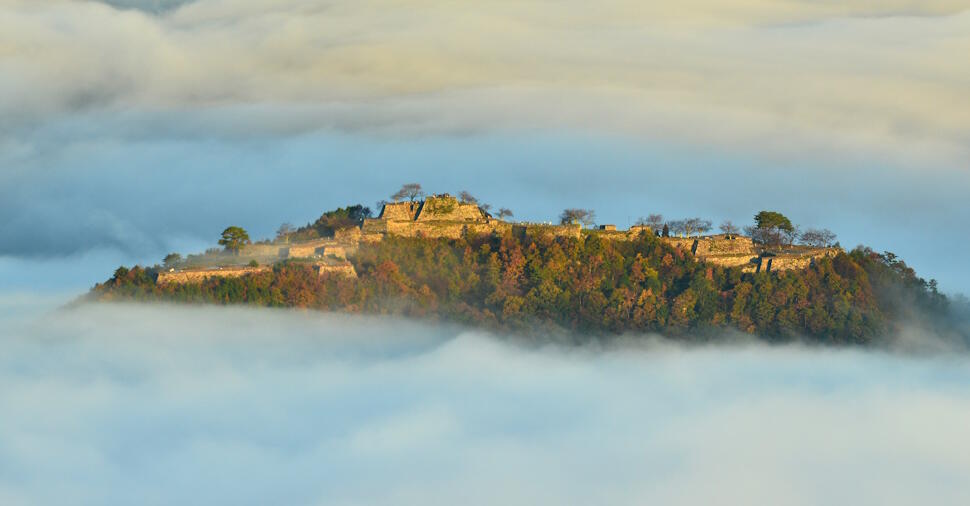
[(573, 216), (666, 231), (676, 226), (771, 228), (696, 225), (654, 221), (818, 238), (410, 191), (772, 219), (729, 229), (234, 238), (283, 233), (171, 260), (253, 263), (791, 235), (504, 212), (467, 198)]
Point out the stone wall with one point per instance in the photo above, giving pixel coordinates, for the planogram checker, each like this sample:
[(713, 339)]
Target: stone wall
[(400, 211), (724, 245), (374, 226), (340, 269), (792, 261), (739, 251), (335, 252), (686, 244), (197, 276), (539, 230), (347, 235), (262, 250), (308, 249), (448, 208)]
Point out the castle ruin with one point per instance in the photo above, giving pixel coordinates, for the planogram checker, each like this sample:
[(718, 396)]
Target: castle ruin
[(444, 216)]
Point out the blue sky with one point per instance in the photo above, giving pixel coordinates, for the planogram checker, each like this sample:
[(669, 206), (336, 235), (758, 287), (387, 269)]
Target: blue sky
[(134, 202)]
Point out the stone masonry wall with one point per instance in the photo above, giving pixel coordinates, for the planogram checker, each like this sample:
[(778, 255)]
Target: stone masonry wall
[(197, 276), (448, 208), (401, 211), (341, 269)]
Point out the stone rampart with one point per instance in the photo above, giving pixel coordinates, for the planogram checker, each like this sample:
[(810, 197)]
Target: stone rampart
[(540, 230), (724, 245), (400, 211), (335, 252), (347, 235), (448, 208), (262, 250), (197, 276), (341, 269), (374, 226), (308, 249), (793, 261), (684, 243)]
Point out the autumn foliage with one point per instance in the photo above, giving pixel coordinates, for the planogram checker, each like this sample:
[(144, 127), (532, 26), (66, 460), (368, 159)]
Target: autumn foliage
[(588, 285)]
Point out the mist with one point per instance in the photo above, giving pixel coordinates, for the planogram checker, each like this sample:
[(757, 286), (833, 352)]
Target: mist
[(149, 404)]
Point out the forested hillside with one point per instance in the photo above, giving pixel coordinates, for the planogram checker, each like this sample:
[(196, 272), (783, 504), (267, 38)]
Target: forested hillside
[(588, 284)]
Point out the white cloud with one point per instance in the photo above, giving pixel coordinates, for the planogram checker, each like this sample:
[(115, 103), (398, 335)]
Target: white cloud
[(161, 405), (881, 79)]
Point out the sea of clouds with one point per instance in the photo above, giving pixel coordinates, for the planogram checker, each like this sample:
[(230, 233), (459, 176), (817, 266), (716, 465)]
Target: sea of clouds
[(149, 404)]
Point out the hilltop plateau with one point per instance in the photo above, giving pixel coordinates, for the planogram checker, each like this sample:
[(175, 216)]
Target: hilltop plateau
[(445, 257)]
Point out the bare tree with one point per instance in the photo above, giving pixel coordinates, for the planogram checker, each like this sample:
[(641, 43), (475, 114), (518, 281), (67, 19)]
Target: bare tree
[(729, 229), (504, 212), (676, 227), (818, 238), (654, 221), (571, 216), (410, 191), (467, 198), (690, 226), (792, 234), (485, 207)]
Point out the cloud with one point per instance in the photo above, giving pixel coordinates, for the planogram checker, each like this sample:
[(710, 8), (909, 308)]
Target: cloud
[(880, 79), (154, 6), (118, 404)]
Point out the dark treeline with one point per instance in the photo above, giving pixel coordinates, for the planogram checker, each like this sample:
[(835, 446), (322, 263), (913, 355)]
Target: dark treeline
[(587, 285)]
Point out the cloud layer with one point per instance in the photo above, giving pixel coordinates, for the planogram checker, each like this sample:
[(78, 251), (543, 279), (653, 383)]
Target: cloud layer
[(882, 79), (154, 405)]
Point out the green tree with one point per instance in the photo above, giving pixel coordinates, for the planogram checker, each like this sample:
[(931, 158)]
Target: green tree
[(771, 228), (772, 219), (171, 260), (234, 238)]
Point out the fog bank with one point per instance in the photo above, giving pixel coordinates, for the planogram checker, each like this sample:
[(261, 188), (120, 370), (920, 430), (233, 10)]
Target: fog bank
[(113, 404)]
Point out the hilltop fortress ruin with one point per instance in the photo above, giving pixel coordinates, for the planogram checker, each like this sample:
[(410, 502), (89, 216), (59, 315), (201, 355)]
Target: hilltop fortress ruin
[(445, 216)]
